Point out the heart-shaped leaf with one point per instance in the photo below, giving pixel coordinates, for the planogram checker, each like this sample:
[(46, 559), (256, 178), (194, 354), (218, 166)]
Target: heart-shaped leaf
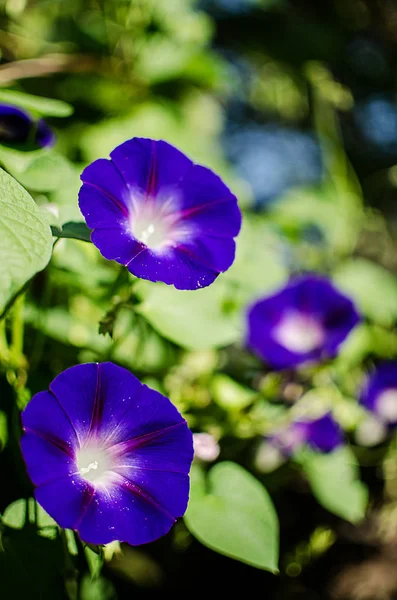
[(25, 238), (334, 479), (233, 514)]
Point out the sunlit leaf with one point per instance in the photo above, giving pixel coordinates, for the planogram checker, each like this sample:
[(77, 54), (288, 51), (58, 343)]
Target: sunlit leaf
[(232, 514), (38, 104), (40, 170), (372, 287), (334, 479), (25, 238)]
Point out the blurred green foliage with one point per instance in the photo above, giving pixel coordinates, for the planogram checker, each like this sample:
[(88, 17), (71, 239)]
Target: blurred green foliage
[(101, 72)]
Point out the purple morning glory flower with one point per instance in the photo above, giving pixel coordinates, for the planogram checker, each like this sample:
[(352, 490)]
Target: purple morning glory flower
[(109, 456), (18, 127), (379, 394), (304, 322), (159, 214), (323, 434)]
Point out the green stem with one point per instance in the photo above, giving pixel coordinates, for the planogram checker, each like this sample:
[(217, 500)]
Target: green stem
[(3, 341), (17, 331)]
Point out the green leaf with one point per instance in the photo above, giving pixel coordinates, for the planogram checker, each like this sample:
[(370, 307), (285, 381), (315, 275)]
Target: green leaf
[(39, 170), (258, 268), (76, 231), (334, 479), (18, 512), (193, 319), (231, 395), (336, 212), (232, 514), (215, 316), (94, 561), (372, 288), (38, 104), (15, 514), (25, 238)]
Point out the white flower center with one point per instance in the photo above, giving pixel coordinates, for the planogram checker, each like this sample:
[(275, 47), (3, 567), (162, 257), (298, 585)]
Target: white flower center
[(151, 231), (298, 332), (370, 432), (386, 405), (93, 463), (157, 222)]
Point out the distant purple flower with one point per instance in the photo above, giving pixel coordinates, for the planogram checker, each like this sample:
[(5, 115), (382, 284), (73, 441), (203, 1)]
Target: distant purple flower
[(18, 127), (290, 438), (159, 214), (110, 457), (379, 394), (304, 322), (323, 434)]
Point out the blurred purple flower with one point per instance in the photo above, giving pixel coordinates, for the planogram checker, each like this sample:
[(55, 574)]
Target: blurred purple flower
[(159, 214), (18, 127), (291, 438), (323, 434), (379, 394), (110, 457), (304, 322)]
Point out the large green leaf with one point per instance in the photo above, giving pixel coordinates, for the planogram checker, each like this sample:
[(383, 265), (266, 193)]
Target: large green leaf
[(40, 170), (232, 514), (25, 238), (38, 104), (215, 316), (193, 319), (334, 479), (336, 212), (372, 287)]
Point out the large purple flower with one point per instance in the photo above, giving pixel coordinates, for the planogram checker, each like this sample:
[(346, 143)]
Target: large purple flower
[(379, 394), (304, 322), (159, 214), (18, 127), (110, 457)]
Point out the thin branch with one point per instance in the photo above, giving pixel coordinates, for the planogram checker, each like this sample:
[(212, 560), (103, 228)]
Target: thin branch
[(49, 65)]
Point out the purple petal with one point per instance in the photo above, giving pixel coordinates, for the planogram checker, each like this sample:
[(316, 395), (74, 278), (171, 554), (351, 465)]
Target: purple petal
[(100, 209), (163, 217), (383, 379), (65, 500), (148, 165), (116, 244), (76, 391), (45, 136), (167, 449), (125, 513), (109, 455), (329, 315), (177, 268), (46, 417), (325, 434), (170, 491), (213, 253), (15, 124), (218, 218), (131, 409), (46, 460)]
